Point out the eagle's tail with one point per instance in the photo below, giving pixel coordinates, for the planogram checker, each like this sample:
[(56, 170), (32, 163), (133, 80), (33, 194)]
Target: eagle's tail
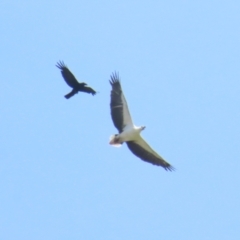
[(114, 141)]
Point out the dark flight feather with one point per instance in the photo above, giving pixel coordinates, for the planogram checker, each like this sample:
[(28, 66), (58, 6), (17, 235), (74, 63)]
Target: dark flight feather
[(116, 104), (147, 156)]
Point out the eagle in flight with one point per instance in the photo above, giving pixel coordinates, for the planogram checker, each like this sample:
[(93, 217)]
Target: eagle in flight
[(72, 81), (127, 131)]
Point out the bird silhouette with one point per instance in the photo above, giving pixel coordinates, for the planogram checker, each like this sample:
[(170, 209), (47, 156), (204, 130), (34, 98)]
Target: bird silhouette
[(73, 82)]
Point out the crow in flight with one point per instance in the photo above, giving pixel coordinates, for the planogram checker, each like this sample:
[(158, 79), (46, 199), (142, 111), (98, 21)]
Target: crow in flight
[(72, 81)]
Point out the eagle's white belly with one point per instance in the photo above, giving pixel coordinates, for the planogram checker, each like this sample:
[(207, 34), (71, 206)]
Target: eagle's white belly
[(129, 134)]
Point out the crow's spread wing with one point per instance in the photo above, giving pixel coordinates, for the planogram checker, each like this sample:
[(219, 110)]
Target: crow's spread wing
[(67, 75)]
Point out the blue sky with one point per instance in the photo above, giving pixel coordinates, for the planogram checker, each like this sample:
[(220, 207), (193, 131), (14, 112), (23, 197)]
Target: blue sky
[(179, 67)]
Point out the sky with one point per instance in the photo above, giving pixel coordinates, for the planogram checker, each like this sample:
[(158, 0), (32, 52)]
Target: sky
[(179, 67)]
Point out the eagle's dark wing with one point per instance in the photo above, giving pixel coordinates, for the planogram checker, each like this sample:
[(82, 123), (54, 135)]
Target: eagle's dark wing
[(67, 75), (87, 89), (142, 150), (118, 105)]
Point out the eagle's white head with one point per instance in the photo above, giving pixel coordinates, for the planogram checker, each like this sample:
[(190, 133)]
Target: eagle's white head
[(139, 129)]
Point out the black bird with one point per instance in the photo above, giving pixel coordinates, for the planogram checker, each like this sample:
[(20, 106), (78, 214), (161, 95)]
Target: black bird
[(72, 81)]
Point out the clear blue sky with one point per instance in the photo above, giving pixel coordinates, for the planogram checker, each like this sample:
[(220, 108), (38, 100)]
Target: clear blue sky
[(179, 66)]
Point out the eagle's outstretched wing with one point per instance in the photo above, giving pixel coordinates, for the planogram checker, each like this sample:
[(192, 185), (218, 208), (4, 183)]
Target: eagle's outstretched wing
[(119, 108), (142, 150)]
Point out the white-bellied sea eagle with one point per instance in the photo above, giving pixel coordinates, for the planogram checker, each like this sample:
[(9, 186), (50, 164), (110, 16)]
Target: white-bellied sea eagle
[(128, 132)]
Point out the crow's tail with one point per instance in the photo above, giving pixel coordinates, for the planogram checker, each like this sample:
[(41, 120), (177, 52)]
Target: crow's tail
[(72, 93)]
